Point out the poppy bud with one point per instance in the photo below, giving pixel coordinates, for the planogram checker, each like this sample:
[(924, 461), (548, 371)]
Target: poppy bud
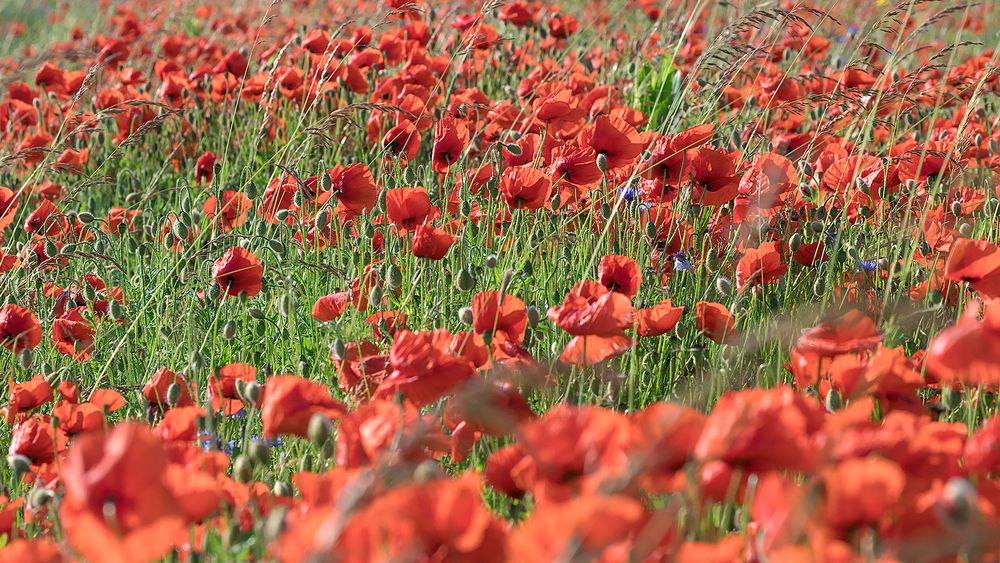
[(505, 280), (724, 286), (282, 215), (951, 398), (491, 261), (116, 310), (602, 162), (816, 226), (819, 287), (806, 169), (306, 464), (69, 248), (256, 313), (323, 220), (229, 330), (911, 184), (251, 392), (40, 497), (534, 316), (51, 249), (513, 149), (259, 451), (274, 523), (883, 263), (465, 281), (369, 230), (325, 182), (651, 230), (338, 348), (320, 429), (180, 230), (197, 362), (995, 146), (487, 338), (276, 246), (25, 358), (965, 229), (284, 305), (251, 191), (305, 368), (282, 489), (243, 469), (961, 498), (556, 201), (862, 185), (241, 386), (795, 242), (833, 401), (465, 315), (394, 277), (375, 296), (427, 470), (85, 217), (19, 464), (956, 207), (174, 394)]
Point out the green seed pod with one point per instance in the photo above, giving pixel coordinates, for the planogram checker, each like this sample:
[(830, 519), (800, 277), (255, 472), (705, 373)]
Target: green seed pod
[(174, 394), (465, 281), (285, 305), (320, 429), (251, 392), (394, 277), (25, 358), (795, 242), (534, 316), (833, 400), (602, 162), (277, 247), (465, 315), (85, 217), (724, 286), (180, 230), (427, 470), (229, 330), (243, 469), (116, 310), (282, 489), (259, 451)]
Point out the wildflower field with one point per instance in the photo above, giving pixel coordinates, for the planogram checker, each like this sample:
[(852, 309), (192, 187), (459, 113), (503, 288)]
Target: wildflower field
[(408, 281)]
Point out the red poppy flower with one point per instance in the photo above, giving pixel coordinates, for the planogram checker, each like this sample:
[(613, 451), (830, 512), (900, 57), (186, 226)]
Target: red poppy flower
[(354, 187), (19, 329), (431, 242), (289, 403), (423, 367), (669, 160), (518, 14), (760, 265), (409, 207), (558, 114), (117, 507), (618, 141), (403, 140), (451, 136), (8, 207), (525, 187), (238, 271), (204, 169), (576, 166), (768, 180), (597, 318), (663, 441), (716, 322), (713, 175), (658, 319), (26, 396), (46, 220), (233, 212), (968, 351), (494, 312), (976, 262), (329, 307), (36, 439), (762, 430), (620, 274), (223, 386), (34, 550), (861, 492), (155, 390)]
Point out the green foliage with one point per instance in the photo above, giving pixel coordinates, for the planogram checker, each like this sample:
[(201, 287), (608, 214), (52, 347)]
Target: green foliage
[(656, 87)]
